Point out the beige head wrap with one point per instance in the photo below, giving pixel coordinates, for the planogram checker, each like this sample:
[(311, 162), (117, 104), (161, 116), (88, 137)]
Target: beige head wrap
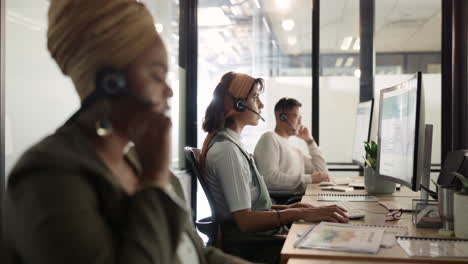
[(86, 35), (240, 87)]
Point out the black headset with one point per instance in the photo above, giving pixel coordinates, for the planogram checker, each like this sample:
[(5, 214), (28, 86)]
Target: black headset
[(111, 82), (240, 104), (283, 116)]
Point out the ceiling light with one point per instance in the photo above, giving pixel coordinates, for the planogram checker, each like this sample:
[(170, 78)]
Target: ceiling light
[(237, 10), (349, 61), (283, 4), (292, 40), (266, 24), (257, 4), (346, 44), (339, 62), (357, 44), (159, 27), (288, 24), (357, 73), (212, 16)]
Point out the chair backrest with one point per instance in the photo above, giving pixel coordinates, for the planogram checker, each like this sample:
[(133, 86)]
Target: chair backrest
[(193, 156)]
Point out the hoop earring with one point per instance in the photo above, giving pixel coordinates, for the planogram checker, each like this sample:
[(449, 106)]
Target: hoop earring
[(104, 127)]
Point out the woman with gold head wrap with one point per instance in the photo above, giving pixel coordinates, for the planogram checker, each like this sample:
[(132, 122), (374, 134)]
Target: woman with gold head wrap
[(78, 196), (242, 202)]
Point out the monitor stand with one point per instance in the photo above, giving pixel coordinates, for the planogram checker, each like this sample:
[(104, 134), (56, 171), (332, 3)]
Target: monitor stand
[(426, 173)]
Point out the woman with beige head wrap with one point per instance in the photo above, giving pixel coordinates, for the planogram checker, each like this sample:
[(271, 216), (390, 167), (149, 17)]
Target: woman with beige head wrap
[(242, 202), (78, 196)]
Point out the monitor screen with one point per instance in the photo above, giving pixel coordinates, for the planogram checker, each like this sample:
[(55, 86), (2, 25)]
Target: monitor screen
[(362, 128), (401, 133)]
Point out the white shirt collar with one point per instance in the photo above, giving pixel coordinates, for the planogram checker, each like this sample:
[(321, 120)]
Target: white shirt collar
[(233, 135)]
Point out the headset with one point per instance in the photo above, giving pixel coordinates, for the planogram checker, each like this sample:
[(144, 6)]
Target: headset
[(240, 105), (110, 83), (283, 116)]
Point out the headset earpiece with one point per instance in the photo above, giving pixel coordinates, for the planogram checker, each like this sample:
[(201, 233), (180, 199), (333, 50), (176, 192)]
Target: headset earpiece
[(283, 117), (112, 81), (240, 105)]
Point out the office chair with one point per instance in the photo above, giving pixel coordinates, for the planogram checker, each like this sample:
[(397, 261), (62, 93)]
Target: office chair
[(209, 225), (250, 246)]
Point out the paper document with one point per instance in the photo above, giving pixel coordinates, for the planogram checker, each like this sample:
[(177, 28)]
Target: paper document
[(342, 237), (390, 233)]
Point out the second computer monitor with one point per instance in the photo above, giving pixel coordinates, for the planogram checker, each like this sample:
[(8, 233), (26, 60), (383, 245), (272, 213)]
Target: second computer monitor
[(362, 130), (401, 133)]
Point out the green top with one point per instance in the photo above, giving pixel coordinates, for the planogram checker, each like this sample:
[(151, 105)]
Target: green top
[(64, 206), (263, 202)]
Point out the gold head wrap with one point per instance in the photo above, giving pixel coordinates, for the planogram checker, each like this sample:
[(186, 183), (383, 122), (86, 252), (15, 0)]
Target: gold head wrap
[(240, 87), (87, 35)]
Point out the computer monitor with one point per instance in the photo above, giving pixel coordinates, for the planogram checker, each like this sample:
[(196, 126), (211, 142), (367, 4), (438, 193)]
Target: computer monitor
[(362, 129), (401, 133)]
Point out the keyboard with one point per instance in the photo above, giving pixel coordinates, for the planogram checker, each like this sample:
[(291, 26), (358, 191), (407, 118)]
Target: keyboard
[(352, 213)]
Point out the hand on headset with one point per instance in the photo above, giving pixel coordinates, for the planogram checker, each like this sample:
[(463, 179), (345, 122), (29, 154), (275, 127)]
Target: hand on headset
[(151, 134)]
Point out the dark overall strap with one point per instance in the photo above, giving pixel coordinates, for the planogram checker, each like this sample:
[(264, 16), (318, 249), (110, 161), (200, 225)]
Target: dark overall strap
[(221, 138)]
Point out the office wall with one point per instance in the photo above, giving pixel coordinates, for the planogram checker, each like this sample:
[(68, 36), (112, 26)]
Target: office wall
[(38, 97)]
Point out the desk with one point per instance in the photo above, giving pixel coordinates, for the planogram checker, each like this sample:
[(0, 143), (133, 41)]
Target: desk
[(375, 215), (323, 261), (314, 189)]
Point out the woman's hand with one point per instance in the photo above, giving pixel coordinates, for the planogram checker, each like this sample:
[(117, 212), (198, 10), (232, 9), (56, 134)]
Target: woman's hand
[(151, 134), (331, 213), (319, 177)]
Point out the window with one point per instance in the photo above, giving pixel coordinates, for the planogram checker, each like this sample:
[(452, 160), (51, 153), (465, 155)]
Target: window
[(339, 79), (408, 39)]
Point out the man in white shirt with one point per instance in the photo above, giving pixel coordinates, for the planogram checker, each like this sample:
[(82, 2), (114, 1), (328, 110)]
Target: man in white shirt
[(283, 166)]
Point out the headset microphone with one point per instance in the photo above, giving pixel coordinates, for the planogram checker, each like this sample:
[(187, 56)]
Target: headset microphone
[(255, 112)]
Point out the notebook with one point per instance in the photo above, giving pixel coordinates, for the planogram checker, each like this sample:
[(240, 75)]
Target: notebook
[(434, 247), (341, 237), (390, 233), (346, 197), (338, 188)]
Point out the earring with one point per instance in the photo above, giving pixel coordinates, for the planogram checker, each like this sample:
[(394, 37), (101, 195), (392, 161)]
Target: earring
[(103, 127)]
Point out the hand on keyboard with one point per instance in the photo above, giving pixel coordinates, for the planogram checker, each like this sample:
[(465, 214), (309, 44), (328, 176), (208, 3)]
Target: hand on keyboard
[(331, 213), (350, 211)]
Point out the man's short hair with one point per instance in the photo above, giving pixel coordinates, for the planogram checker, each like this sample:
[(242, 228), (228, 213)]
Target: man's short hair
[(285, 104)]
